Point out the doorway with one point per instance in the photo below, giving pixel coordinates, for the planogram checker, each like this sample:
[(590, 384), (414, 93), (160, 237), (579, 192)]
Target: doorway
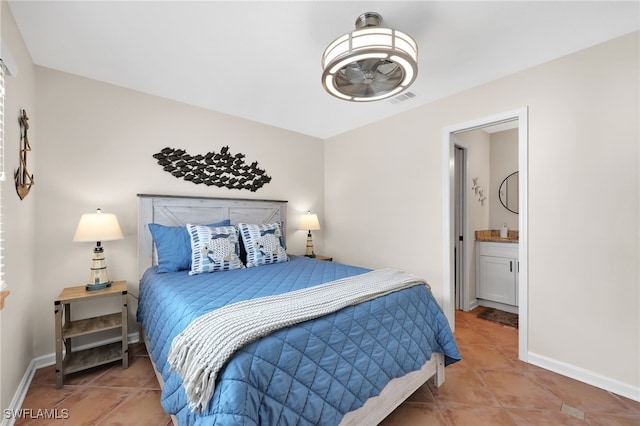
[(453, 250)]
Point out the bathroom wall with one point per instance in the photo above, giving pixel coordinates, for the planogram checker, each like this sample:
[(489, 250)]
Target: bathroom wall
[(503, 161), (491, 157)]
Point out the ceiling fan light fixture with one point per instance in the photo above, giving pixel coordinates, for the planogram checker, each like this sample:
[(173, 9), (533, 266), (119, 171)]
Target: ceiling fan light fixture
[(369, 63)]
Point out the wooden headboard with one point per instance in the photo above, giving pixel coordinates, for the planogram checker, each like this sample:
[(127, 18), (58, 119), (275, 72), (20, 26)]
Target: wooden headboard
[(174, 210)]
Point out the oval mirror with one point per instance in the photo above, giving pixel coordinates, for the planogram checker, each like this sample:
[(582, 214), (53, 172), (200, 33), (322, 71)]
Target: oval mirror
[(508, 192)]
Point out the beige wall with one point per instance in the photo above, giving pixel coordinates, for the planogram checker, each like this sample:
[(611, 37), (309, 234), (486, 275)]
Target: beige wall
[(381, 183), (16, 319), (98, 141), (583, 165), (504, 161)]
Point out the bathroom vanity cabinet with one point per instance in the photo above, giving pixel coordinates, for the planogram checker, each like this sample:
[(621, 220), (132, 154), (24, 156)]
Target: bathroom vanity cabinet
[(497, 275)]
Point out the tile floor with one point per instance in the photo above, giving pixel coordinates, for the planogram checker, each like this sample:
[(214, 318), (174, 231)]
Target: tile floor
[(489, 387)]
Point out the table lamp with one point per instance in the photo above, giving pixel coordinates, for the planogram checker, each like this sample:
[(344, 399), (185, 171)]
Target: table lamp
[(98, 227), (309, 222)]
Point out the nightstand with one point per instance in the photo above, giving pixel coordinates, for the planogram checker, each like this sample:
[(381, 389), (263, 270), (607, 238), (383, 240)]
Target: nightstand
[(328, 259), (65, 330)]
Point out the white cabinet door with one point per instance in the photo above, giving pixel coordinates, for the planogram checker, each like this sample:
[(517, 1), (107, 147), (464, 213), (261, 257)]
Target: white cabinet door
[(497, 279)]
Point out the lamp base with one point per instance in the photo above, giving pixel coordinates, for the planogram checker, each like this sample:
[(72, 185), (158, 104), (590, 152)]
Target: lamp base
[(98, 277), (92, 287), (309, 251)]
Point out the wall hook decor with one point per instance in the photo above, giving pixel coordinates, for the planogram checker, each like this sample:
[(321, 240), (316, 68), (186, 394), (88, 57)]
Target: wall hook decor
[(221, 169), (24, 181)]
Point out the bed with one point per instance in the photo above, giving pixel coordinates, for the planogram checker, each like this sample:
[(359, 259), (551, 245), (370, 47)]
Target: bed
[(350, 367)]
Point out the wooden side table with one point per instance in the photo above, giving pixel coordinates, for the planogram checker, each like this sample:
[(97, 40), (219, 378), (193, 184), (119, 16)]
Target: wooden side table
[(65, 330), (326, 258)]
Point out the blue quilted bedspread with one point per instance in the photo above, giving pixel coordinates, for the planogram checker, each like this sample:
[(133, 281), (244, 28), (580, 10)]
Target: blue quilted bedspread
[(310, 373)]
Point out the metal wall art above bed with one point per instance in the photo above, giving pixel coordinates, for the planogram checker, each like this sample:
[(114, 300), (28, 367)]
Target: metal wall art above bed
[(221, 169)]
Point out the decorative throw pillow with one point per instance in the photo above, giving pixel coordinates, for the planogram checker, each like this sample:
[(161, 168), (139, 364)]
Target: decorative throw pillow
[(263, 244), (214, 249), (173, 246)]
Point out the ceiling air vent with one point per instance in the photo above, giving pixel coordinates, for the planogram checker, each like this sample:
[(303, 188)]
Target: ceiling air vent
[(401, 98)]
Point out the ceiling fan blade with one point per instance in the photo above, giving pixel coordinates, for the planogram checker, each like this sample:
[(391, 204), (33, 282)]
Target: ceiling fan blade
[(353, 73), (387, 83), (386, 68), (381, 88), (354, 89), (369, 77)]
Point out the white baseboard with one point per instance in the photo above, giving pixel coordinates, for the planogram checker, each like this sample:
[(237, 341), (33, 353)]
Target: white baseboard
[(586, 376), (44, 361), (18, 397), (471, 305), (498, 305)]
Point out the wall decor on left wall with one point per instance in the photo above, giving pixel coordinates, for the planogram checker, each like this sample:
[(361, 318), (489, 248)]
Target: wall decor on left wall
[(24, 180)]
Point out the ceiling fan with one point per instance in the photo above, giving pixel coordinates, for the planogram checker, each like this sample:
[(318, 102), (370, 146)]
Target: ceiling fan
[(370, 63)]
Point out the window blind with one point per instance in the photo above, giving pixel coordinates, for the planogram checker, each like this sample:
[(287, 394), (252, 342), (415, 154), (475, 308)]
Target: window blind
[(3, 177), (2, 70)]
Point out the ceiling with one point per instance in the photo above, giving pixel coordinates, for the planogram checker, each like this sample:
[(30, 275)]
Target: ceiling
[(261, 60)]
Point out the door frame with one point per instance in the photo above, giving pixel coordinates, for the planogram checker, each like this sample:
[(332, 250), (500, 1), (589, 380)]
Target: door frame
[(448, 281), (461, 278)]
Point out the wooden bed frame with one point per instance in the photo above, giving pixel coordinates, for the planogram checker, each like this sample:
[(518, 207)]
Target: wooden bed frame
[(179, 210)]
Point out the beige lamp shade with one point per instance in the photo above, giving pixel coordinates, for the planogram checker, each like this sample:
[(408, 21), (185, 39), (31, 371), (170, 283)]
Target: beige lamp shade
[(98, 226), (309, 222)]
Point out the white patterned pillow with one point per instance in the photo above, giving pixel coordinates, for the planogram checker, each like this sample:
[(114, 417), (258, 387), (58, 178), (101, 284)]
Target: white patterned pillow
[(263, 243), (213, 249)]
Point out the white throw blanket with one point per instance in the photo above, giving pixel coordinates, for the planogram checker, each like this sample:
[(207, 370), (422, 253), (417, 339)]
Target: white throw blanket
[(200, 351)]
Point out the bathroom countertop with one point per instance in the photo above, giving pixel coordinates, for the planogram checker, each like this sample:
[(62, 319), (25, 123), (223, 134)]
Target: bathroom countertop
[(493, 235)]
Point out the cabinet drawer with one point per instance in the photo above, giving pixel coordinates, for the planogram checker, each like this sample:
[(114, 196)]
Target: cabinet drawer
[(509, 250)]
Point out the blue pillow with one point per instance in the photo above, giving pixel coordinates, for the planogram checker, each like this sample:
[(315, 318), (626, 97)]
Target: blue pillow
[(173, 246)]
